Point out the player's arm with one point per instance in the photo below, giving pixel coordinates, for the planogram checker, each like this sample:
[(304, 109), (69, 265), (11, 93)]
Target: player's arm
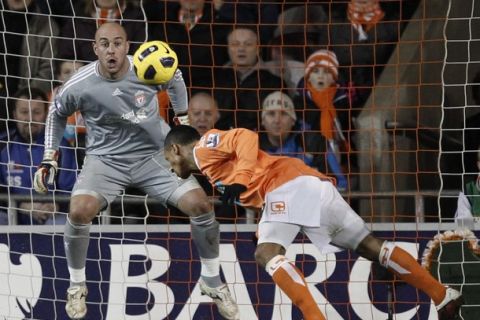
[(239, 145), (177, 92), (54, 129)]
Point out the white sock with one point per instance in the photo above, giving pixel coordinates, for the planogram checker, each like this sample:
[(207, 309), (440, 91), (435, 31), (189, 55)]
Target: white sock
[(77, 275), (210, 267)]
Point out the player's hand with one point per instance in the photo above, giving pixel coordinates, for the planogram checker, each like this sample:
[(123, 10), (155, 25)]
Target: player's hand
[(181, 119), (46, 172), (231, 193)]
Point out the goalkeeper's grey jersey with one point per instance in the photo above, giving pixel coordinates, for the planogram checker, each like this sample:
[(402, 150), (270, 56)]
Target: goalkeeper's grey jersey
[(121, 116)]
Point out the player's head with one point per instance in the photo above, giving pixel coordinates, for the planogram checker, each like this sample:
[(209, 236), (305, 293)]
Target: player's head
[(111, 47), (203, 112), (179, 144), (30, 109)]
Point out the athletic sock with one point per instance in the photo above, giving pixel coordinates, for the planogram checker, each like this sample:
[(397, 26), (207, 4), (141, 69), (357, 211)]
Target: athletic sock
[(206, 237), (402, 264), (292, 282), (76, 239)]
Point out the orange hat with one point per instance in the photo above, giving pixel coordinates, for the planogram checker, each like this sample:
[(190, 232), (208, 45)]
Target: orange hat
[(322, 58)]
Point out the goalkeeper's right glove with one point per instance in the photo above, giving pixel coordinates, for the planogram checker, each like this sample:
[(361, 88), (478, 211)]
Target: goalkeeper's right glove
[(46, 172)]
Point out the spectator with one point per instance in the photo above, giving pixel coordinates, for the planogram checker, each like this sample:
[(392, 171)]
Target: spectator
[(299, 27), (241, 85), (285, 135), (322, 101), (75, 129), (25, 62), (196, 30), (21, 157), (263, 15), (364, 34), (79, 33), (468, 205), (203, 112)]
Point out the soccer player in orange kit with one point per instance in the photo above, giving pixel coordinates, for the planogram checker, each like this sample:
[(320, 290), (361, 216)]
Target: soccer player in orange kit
[(294, 198)]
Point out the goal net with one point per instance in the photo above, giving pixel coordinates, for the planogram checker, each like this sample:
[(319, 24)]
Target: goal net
[(410, 88)]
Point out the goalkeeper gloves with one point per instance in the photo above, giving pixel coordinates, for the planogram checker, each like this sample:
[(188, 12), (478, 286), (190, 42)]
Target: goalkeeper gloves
[(181, 119), (46, 172), (231, 193)]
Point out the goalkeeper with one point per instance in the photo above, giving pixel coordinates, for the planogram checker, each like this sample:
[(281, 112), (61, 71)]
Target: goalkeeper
[(294, 198), (124, 147)]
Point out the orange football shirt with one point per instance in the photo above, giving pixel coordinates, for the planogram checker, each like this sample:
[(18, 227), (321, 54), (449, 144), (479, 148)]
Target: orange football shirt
[(233, 156)]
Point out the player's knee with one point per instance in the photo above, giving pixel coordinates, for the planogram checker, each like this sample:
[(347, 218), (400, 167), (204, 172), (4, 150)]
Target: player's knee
[(83, 209), (369, 248), (195, 203), (266, 252)]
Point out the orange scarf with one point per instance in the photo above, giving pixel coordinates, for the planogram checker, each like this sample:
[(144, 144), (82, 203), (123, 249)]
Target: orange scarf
[(323, 99), (107, 15)]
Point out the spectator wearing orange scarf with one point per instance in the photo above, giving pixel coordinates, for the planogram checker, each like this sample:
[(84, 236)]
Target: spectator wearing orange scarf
[(321, 75)]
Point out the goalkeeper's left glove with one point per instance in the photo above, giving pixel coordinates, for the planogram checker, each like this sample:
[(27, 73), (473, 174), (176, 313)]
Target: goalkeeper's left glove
[(181, 119), (46, 172)]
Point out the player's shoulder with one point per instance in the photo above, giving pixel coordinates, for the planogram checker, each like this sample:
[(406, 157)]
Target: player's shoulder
[(80, 78)]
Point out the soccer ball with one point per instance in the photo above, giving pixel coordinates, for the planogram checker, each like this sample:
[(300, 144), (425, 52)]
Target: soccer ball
[(155, 62)]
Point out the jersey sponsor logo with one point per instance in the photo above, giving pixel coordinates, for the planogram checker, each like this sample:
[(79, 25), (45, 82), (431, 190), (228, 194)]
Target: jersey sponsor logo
[(117, 92), (141, 114), (140, 98), (130, 116), (212, 140), (278, 207)]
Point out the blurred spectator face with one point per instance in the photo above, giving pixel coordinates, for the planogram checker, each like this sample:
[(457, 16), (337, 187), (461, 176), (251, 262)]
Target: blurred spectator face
[(277, 123), (243, 48), (67, 69), (30, 116), (320, 78), (278, 116), (192, 5), (203, 112), (18, 5)]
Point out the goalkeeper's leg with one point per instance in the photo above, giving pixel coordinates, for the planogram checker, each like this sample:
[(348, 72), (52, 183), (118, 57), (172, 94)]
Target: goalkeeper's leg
[(83, 208), (206, 237)]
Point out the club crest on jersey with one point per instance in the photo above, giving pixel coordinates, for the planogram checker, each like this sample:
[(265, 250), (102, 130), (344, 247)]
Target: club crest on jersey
[(140, 98), (212, 140)]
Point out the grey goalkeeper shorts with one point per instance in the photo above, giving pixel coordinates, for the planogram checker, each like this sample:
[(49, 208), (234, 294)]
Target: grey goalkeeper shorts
[(107, 177)]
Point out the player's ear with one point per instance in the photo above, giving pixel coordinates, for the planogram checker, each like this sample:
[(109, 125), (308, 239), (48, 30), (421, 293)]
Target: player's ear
[(127, 46), (175, 148), (94, 46)]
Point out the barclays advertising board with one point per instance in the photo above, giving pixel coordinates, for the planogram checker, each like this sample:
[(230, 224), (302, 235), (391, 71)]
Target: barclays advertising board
[(148, 274)]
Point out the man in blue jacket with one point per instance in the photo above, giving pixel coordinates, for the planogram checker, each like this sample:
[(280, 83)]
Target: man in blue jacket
[(23, 153)]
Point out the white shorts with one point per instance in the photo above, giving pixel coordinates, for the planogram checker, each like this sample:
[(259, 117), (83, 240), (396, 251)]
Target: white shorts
[(314, 207)]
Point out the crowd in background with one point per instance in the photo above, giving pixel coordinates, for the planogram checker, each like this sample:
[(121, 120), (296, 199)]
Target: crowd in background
[(298, 73)]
